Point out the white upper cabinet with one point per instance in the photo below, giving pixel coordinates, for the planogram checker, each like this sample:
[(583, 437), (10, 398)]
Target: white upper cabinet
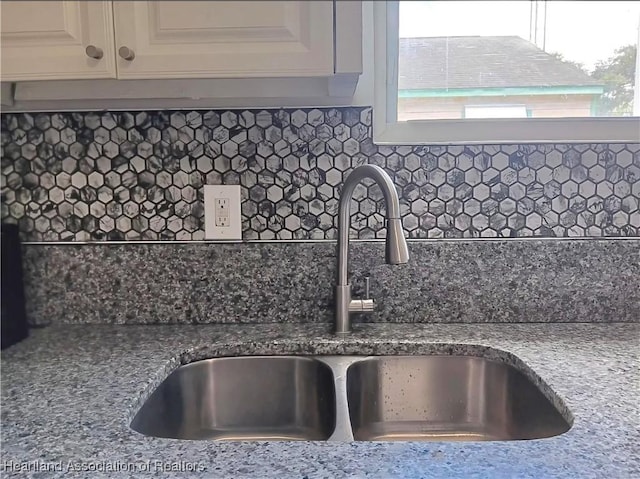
[(223, 39), (57, 40), (54, 40), (179, 54)]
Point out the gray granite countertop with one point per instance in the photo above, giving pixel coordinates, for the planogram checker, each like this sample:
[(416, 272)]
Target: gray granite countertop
[(69, 391)]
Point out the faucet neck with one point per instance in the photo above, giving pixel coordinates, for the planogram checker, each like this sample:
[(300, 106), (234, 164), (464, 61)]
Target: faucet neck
[(344, 214)]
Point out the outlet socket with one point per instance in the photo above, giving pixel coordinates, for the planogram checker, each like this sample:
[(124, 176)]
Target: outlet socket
[(222, 212)]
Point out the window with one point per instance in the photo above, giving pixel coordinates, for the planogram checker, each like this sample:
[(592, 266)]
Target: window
[(506, 71), (495, 111)]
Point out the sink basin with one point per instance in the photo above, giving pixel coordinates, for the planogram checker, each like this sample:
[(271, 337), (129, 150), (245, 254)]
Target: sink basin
[(243, 398), (346, 398), (446, 398)]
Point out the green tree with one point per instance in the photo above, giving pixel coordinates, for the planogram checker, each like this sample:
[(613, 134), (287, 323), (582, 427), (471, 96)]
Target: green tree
[(617, 74), (579, 66)]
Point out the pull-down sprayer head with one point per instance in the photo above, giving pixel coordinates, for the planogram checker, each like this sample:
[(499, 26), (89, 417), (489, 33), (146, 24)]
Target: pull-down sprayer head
[(396, 251)]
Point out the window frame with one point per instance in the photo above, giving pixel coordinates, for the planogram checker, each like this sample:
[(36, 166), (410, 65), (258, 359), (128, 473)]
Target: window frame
[(388, 131)]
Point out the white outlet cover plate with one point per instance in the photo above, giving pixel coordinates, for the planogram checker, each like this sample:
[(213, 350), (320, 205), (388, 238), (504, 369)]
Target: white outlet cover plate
[(234, 230)]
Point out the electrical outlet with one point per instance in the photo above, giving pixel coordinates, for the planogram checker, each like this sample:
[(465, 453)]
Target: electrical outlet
[(222, 212)]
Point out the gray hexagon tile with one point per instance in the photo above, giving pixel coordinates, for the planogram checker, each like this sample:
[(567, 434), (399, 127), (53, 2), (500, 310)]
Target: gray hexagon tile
[(139, 175)]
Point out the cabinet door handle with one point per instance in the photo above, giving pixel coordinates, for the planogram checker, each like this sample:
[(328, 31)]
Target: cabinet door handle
[(126, 53), (94, 52)]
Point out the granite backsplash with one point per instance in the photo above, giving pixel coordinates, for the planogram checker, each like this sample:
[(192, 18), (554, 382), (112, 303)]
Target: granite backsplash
[(465, 281), (138, 175)]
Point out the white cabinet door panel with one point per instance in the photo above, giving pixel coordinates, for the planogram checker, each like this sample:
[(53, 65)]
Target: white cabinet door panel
[(46, 40), (218, 39)]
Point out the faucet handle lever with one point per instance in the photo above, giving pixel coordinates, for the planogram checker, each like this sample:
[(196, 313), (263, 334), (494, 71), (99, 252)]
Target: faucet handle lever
[(364, 305)]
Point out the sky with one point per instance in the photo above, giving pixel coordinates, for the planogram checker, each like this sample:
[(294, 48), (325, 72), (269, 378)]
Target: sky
[(583, 31)]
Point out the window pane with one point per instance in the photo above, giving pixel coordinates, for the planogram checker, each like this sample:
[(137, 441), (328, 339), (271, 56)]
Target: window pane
[(513, 59), (495, 111)]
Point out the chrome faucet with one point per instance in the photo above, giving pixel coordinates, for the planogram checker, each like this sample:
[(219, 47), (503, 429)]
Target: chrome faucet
[(396, 245)]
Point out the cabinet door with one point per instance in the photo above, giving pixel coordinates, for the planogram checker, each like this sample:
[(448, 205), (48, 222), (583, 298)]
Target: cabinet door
[(223, 39), (47, 40)]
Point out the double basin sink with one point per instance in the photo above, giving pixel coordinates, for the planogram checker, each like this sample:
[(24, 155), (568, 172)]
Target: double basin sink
[(345, 398)]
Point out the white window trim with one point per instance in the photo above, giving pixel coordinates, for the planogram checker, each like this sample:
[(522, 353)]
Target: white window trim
[(388, 131)]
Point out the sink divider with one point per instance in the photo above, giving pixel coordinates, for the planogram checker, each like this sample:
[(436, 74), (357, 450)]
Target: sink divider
[(339, 365)]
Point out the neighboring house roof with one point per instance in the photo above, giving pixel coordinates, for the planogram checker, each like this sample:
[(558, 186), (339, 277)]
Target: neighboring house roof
[(482, 62)]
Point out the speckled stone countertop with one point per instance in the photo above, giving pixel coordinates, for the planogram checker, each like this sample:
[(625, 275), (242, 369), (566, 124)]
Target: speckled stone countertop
[(69, 391)]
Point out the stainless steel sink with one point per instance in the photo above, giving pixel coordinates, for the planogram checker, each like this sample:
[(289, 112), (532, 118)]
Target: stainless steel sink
[(243, 398), (446, 398), (346, 398)]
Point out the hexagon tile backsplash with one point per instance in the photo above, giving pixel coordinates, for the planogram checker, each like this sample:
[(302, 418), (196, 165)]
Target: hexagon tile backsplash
[(139, 175)]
